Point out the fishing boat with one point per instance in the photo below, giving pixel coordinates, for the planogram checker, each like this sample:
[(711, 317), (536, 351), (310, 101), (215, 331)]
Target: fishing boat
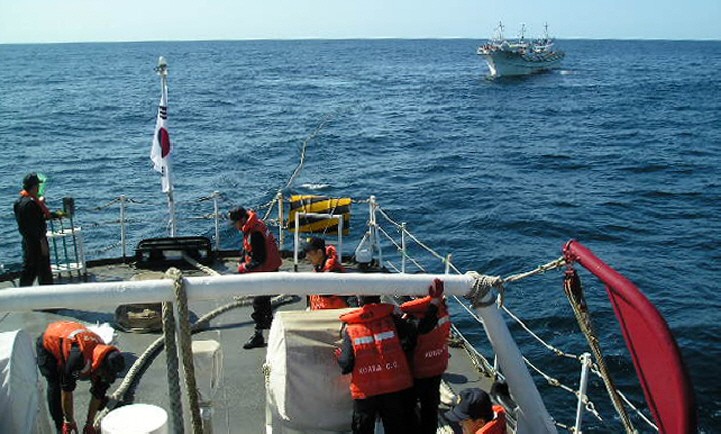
[(522, 57), (206, 383)]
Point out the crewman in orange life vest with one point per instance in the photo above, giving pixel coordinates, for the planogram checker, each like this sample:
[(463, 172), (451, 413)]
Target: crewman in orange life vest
[(261, 255), (430, 356), (374, 348), (476, 414), (67, 351), (324, 259)]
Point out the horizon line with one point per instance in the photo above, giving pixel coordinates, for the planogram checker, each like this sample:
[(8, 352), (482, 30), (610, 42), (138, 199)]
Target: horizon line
[(369, 38)]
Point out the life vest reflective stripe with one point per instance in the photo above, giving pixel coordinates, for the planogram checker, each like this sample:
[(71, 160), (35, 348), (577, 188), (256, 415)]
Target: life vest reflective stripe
[(497, 425), (332, 265), (380, 364), (60, 336), (273, 260), (430, 357)]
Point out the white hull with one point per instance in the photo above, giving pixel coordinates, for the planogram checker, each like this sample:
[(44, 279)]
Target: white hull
[(505, 64)]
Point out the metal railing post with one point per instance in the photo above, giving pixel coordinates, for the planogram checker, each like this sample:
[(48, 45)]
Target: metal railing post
[(215, 195), (448, 263), (340, 238), (122, 225), (374, 230), (296, 241), (403, 247), (281, 234), (585, 365)]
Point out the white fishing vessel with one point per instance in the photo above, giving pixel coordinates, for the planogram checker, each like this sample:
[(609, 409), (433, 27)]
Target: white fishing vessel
[(506, 58), (207, 383)]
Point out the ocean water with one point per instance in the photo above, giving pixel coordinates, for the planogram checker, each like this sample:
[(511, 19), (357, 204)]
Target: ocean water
[(619, 149)]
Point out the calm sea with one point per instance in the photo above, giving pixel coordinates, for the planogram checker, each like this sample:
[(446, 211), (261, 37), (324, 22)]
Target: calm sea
[(619, 149)]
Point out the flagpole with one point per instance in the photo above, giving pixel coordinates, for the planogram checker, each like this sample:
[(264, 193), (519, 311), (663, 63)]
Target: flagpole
[(162, 70)]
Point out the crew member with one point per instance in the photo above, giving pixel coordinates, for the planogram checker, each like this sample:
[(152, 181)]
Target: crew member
[(261, 255), (476, 414), (373, 352), (430, 356), (324, 259), (67, 351), (31, 214)]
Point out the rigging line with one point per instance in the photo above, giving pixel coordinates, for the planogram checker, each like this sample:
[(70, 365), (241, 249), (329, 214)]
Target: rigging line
[(390, 220), (400, 250), (590, 407), (595, 370), (442, 258), (98, 208), (548, 346), (574, 293), (315, 132), (556, 263)]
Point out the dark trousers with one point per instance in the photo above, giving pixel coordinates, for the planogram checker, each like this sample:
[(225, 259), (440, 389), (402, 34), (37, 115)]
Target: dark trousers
[(262, 312), (395, 410), (35, 264), (429, 396), (48, 366)]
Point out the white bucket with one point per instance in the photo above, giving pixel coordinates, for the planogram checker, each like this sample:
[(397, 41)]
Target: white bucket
[(135, 419)]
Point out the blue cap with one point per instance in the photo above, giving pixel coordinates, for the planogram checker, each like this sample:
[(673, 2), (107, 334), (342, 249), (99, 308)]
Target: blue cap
[(472, 404)]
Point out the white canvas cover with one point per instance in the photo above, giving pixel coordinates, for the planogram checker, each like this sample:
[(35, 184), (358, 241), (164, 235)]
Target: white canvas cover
[(304, 386), (19, 387)]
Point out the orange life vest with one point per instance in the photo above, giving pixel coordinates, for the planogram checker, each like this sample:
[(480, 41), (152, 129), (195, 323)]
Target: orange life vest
[(332, 265), (380, 364), (497, 425), (430, 357), (272, 256), (61, 335)]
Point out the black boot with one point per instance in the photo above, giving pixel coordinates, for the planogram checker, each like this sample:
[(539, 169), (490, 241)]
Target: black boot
[(255, 341)]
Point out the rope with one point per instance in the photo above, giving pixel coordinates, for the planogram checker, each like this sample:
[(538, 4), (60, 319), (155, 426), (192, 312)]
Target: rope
[(307, 140), (171, 360), (481, 287), (574, 292), (186, 350)]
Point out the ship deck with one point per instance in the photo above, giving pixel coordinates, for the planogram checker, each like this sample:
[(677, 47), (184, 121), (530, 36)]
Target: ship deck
[(239, 403)]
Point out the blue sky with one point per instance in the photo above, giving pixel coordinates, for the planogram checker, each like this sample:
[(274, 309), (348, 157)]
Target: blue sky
[(26, 21)]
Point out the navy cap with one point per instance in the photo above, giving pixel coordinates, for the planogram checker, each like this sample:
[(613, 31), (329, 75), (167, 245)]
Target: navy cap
[(314, 243), (472, 404), (237, 214)]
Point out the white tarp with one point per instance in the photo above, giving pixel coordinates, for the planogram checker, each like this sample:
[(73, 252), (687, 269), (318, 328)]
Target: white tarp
[(305, 388), (19, 387)]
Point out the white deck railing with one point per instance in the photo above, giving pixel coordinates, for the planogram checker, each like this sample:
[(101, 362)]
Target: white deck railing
[(532, 415)]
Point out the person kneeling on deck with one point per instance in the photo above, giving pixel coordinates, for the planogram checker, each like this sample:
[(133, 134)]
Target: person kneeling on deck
[(373, 351), (324, 260), (67, 351), (430, 356), (476, 415), (261, 254)]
